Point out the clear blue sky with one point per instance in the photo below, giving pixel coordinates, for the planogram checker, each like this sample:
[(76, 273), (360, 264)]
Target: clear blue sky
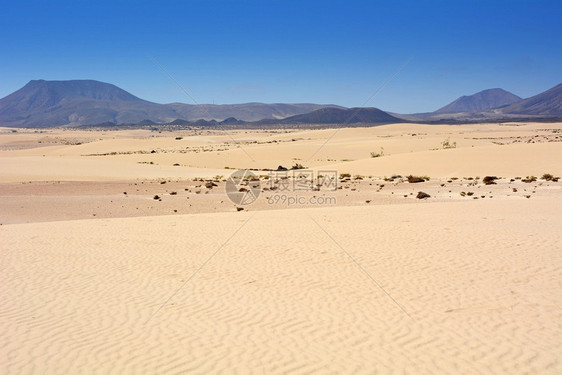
[(336, 52)]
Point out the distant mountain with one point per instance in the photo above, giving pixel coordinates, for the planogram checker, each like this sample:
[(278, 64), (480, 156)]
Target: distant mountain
[(50, 103), (481, 101), (58, 103), (548, 103), (342, 116), (245, 112), (86, 102)]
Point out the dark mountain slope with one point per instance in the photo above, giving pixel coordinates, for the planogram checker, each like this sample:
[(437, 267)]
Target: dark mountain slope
[(342, 116), (548, 103), (481, 101), (81, 102), (51, 103)]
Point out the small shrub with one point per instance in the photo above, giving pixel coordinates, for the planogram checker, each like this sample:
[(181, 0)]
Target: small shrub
[(547, 177), (416, 179), (345, 175), (489, 180), (447, 144), (377, 154), (529, 179)]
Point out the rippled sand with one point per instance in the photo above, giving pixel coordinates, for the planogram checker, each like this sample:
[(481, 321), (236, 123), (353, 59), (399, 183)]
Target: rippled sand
[(443, 285)]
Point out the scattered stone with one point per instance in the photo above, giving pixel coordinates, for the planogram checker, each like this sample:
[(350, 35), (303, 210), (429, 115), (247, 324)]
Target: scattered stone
[(422, 195)]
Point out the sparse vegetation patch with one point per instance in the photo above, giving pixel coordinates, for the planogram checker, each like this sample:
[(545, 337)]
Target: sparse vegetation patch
[(416, 179), (489, 180)]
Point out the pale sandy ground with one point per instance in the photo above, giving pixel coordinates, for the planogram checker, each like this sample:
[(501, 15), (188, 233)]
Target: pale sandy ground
[(451, 284), (408, 149)]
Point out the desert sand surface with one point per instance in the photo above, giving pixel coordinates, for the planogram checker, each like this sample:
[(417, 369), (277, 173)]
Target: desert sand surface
[(514, 149), (118, 256)]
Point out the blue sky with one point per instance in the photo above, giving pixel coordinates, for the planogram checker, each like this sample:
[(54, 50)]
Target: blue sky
[(336, 52)]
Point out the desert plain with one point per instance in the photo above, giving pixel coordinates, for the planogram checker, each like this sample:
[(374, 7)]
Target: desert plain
[(122, 253)]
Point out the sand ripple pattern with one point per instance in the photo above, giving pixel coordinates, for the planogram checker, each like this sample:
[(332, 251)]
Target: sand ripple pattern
[(482, 282)]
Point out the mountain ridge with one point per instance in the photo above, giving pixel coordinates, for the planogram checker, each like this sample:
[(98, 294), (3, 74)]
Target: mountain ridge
[(548, 102), (42, 103), (481, 101), (343, 116)]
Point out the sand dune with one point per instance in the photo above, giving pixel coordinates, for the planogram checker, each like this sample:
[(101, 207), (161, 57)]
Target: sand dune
[(408, 148), (482, 290), (508, 160), (456, 283)]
